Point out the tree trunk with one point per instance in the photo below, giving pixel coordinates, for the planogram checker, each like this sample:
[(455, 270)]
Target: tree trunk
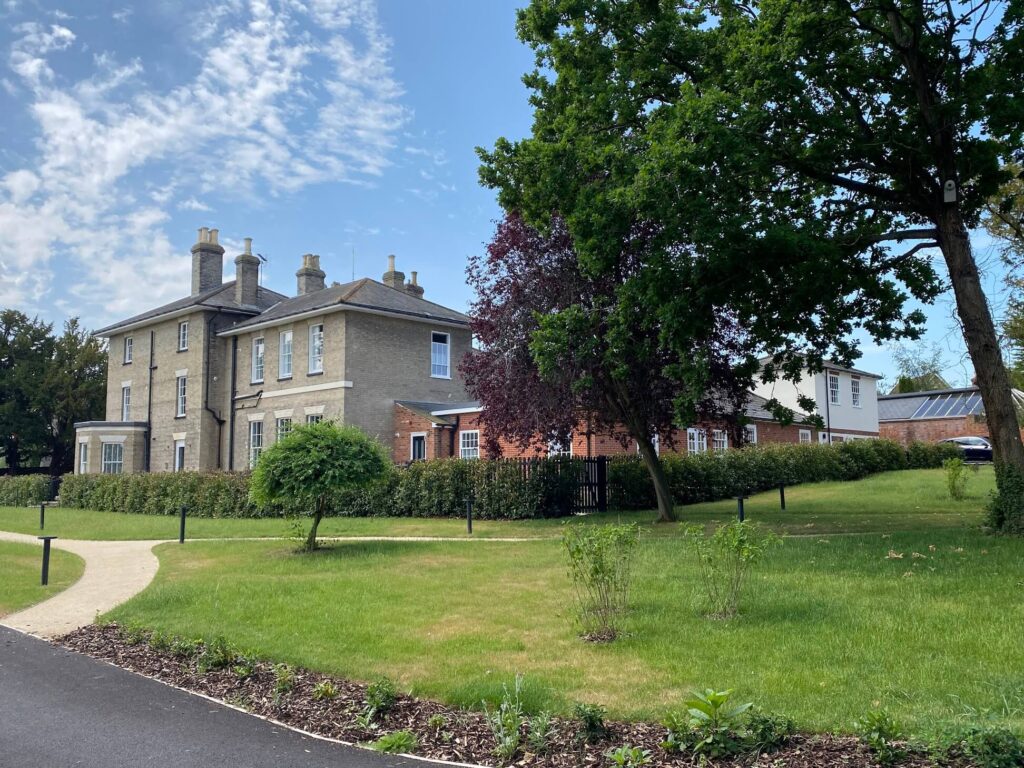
[(310, 545), (993, 380), (666, 506)]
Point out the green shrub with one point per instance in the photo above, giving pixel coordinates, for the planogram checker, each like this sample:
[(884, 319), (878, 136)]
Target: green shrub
[(215, 654), (24, 490), (381, 697), (324, 690), (883, 735), (538, 734), (724, 559), (628, 756), (505, 722), (403, 742), (709, 727), (591, 726), (984, 747), (284, 680), (767, 732), (600, 559), (956, 478)]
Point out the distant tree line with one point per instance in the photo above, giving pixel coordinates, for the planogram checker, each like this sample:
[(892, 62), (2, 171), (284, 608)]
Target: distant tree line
[(48, 381)]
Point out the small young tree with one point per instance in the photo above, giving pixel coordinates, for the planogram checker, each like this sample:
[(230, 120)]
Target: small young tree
[(313, 462)]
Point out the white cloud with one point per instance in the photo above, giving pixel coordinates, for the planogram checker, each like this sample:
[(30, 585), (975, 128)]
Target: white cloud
[(293, 93)]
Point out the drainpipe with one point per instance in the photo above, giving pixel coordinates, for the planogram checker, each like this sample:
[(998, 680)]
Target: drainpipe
[(231, 397), (149, 399), (211, 338)]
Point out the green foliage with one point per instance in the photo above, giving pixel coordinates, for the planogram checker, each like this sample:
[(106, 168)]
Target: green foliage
[(600, 560), (883, 735), (982, 746), (324, 690), (956, 478), (215, 654), (725, 558), (506, 721), (1005, 511), (930, 455), (538, 733), (381, 696), (628, 756), (133, 633), (767, 732), (590, 718), (437, 722), (24, 490), (284, 680), (398, 742), (710, 726), (185, 647)]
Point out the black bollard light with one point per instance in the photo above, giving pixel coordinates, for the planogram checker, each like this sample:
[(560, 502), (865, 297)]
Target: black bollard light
[(181, 525), (739, 508), (46, 559), (42, 515), (469, 516), (782, 496)]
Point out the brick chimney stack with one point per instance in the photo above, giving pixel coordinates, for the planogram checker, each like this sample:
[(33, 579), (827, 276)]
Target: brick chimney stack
[(413, 288), (310, 277), (247, 276), (207, 262), (393, 278)]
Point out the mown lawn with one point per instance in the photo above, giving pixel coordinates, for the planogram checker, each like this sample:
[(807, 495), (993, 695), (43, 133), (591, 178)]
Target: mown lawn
[(894, 501), (20, 570), (833, 624)]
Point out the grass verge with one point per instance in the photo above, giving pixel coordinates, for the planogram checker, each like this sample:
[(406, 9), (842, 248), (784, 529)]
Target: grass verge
[(20, 570)]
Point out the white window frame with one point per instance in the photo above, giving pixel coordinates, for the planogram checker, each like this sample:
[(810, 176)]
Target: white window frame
[(179, 455), (112, 459), (314, 418), (557, 448), (833, 392), (316, 348), (696, 441), (855, 391), (283, 426), (469, 448), (183, 336), (412, 442), (255, 442), (180, 396), (129, 350), (83, 458), (656, 439), (126, 402), (719, 441), (750, 433), (804, 433), (435, 349), (284, 343), (258, 360)]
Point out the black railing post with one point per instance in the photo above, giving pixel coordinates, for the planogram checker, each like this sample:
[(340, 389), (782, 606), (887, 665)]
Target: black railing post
[(469, 515), (739, 508), (46, 559), (181, 525), (602, 483), (42, 515), (782, 496)]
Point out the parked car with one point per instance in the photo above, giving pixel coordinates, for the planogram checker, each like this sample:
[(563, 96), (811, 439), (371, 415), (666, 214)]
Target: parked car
[(973, 448)]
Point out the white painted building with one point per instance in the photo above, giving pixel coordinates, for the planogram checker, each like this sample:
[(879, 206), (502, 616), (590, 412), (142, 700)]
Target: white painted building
[(845, 398)]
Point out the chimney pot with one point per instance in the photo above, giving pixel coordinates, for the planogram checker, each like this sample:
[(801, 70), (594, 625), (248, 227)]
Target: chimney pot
[(248, 246), (213, 236), (310, 277), (414, 279), (391, 263)]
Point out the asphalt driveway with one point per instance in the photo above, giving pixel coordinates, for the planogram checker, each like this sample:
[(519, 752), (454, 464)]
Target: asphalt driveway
[(60, 709)]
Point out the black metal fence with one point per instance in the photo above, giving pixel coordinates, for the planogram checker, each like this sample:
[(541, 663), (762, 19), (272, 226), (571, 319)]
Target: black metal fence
[(587, 478)]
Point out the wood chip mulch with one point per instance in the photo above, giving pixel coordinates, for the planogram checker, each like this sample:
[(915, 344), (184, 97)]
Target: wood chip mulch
[(464, 737)]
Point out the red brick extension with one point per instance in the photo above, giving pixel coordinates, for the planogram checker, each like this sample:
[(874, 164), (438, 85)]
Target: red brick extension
[(933, 430)]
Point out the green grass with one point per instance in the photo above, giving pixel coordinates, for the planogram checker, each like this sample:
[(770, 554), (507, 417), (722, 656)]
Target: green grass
[(20, 570), (889, 502), (831, 627)]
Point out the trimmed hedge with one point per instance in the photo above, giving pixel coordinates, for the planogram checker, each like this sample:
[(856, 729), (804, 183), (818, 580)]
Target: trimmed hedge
[(24, 490), (509, 490), (713, 476)]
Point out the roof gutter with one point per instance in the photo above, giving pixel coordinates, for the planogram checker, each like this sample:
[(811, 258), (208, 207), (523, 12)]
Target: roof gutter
[(110, 330), (332, 308)]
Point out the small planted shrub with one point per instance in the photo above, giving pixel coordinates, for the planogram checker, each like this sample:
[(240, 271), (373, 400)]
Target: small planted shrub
[(324, 690), (244, 666), (403, 742), (505, 722), (215, 654), (710, 726), (984, 747), (600, 559), (766, 732), (628, 756), (133, 634), (284, 680), (883, 736), (436, 722), (956, 478), (591, 723), (724, 559), (381, 696), (538, 734), (185, 648)]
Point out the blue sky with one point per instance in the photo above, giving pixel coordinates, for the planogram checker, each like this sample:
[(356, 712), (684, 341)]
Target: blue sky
[(324, 126)]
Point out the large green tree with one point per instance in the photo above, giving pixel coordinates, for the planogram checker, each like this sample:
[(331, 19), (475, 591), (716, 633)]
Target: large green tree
[(793, 144)]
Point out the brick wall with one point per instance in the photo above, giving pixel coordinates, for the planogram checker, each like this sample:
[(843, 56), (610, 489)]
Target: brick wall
[(933, 430)]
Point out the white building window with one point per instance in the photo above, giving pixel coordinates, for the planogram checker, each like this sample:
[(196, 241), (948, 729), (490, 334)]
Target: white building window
[(469, 444), (314, 418), (126, 403), (83, 458), (258, 356), (179, 455), (113, 458), (284, 357), (833, 388), (183, 335), (128, 344), (559, 448), (855, 391), (656, 439), (255, 442), (417, 446), (750, 433), (805, 435), (284, 426), (440, 355), (181, 388), (696, 441), (316, 348), (719, 440)]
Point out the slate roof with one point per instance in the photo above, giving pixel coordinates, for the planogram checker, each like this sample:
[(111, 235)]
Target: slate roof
[(221, 297), (361, 294)]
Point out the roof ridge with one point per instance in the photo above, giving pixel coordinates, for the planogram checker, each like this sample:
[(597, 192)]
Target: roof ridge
[(355, 287)]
